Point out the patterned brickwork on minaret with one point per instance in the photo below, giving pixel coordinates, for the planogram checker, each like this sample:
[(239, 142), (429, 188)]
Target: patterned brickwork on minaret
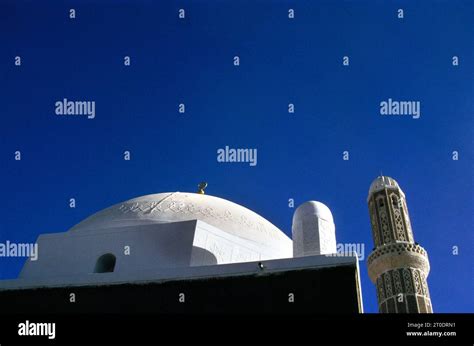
[(397, 266)]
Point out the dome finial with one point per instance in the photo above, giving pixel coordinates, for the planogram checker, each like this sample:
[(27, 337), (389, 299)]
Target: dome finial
[(201, 187)]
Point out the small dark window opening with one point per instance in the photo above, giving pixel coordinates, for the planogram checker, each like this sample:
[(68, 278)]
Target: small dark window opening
[(381, 204), (394, 201), (105, 264)]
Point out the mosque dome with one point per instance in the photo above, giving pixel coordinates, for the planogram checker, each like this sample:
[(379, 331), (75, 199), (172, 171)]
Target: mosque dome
[(168, 207)]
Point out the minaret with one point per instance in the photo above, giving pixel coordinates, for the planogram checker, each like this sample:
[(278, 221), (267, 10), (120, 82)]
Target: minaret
[(397, 266)]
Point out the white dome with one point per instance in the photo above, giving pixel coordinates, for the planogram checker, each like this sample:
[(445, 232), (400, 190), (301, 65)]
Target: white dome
[(176, 206), (314, 208)]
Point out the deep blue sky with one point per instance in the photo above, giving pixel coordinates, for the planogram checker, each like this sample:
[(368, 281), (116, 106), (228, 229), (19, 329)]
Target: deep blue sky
[(282, 61)]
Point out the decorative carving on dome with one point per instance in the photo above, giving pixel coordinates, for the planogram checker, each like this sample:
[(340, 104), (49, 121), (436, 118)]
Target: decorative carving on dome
[(170, 204)]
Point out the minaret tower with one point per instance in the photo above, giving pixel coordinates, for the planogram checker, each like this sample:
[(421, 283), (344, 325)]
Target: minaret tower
[(397, 266)]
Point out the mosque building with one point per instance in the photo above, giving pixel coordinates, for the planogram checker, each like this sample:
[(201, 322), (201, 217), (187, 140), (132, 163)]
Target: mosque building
[(181, 252)]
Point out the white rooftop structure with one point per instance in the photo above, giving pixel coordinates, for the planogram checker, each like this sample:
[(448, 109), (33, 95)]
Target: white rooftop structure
[(229, 217), (154, 236), (148, 236), (314, 232)]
